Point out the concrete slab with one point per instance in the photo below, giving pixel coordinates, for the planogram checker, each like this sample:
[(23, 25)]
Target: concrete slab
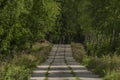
[(60, 54), (73, 63), (59, 57), (37, 78), (69, 58), (51, 57), (59, 70), (62, 63), (62, 78), (83, 78), (59, 66), (59, 60), (61, 74), (49, 60)]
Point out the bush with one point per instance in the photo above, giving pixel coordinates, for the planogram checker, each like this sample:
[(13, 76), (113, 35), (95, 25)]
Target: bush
[(114, 75), (28, 60), (107, 66), (78, 52), (19, 66), (99, 65), (13, 72)]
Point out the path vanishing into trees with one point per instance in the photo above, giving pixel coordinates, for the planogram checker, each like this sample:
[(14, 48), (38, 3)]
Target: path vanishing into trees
[(60, 65)]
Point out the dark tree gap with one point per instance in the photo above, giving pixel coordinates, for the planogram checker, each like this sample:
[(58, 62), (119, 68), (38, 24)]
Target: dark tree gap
[(66, 33)]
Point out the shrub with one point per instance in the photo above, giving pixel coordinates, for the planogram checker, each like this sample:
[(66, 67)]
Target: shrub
[(26, 60), (114, 75), (13, 72), (78, 52), (107, 66), (19, 66)]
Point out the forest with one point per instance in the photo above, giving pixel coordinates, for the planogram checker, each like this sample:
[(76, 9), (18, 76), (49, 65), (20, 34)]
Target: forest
[(93, 23)]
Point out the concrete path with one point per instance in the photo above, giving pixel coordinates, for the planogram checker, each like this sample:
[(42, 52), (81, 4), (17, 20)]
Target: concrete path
[(60, 65)]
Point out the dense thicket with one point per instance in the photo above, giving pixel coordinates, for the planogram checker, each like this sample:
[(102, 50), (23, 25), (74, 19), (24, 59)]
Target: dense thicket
[(23, 22), (68, 28), (94, 22), (97, 20)]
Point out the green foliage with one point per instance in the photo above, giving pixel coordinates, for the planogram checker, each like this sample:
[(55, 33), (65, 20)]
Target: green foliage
[(78, 52), (12, 72), (112, 75), (24, 22), (19, 66), (94, 22), (106, 66)]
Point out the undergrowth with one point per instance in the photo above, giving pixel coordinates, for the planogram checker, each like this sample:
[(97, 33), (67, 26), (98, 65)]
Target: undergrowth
[(20, 65), (106, 66)]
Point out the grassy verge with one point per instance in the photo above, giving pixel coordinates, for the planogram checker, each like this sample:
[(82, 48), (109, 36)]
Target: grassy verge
[(19, 66), (107, 66)]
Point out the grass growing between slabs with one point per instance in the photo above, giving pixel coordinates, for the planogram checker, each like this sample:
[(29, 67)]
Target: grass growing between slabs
[(47, 73), (106, 66), (20, 65), (72, 71)]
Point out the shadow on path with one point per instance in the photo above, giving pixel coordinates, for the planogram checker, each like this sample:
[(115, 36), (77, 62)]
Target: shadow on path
[(60, 65)]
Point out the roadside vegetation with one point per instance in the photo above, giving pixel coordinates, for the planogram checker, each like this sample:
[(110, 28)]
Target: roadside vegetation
[(24, 25), (106, 66), (19, 66)]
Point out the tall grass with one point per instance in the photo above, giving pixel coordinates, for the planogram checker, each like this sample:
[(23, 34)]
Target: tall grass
[(19, 66), (106, 66)]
